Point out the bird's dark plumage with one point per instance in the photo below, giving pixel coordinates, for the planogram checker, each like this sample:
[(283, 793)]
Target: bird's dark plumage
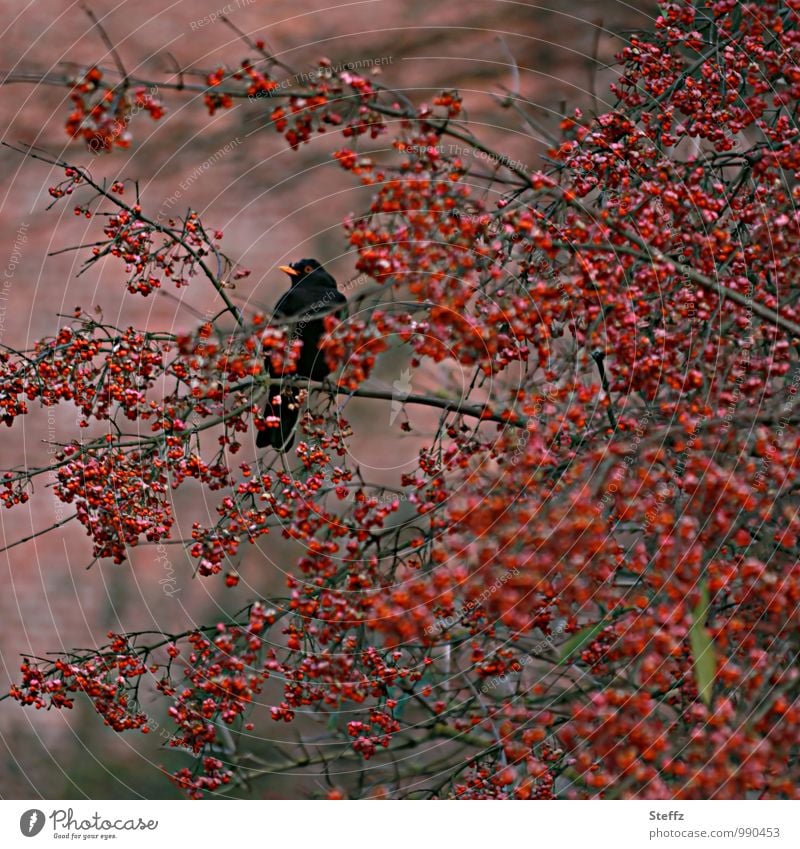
[(312, 293)]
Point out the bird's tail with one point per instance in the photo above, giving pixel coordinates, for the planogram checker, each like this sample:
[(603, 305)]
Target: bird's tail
[(287, 411)]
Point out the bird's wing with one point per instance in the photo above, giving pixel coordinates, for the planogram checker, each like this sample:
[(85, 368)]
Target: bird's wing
[(284, 307), (309, 302)]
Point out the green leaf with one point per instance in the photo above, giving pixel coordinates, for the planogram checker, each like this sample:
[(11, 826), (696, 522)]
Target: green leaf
[(703, 653), (581, 638)]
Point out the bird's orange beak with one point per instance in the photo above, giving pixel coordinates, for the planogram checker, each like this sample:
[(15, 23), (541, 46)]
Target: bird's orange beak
[(287, 269)]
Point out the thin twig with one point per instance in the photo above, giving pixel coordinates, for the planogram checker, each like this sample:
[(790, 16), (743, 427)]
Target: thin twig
[(109, 44), (39, 533)]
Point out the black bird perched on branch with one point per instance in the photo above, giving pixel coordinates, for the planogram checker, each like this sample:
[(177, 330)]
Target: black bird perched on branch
[(312, 296)]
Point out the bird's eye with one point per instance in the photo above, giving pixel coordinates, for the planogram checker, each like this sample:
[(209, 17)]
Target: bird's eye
[(308, 269)]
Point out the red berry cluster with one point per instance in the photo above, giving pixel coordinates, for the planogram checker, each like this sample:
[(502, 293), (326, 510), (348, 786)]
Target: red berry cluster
[(108, 678), (102, 111)]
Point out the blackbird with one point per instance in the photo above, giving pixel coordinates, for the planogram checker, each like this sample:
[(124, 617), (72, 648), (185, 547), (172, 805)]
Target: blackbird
[(312, 296)]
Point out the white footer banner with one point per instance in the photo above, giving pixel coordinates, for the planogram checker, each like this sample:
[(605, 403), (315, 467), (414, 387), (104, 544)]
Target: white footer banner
[(332, 824)]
